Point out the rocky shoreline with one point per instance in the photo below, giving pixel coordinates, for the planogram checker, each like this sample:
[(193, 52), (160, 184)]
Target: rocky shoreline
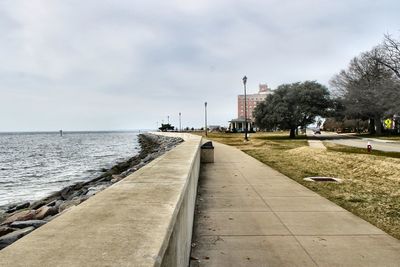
[(19, 220)]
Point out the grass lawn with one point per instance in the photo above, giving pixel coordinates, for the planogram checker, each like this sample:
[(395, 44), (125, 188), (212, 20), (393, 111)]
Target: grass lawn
[(371, 187)]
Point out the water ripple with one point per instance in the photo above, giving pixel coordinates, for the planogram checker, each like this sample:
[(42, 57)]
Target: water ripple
[(33, 165)]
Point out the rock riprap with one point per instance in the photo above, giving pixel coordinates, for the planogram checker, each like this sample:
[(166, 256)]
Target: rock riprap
[(18, 220), (10, 238)]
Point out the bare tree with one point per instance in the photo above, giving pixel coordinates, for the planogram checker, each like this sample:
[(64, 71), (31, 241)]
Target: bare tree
[(368, 89), (389, 54)]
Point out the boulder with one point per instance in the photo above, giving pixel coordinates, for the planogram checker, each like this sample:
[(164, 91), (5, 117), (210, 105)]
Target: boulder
[(20, 216), (11, 209), (66, 192), (68, 204), (94, 189), (148, 158), (55, 203), (22, 206), (127, 172), (80, 199), (38, 204), (44, 212), (29, 223), (10, 238), (5, 230), (77, 193), (106, 178), (53, 196), (49, 218), (80, 192), (140, 165), (2, 215), (70, 190), (116, 178)]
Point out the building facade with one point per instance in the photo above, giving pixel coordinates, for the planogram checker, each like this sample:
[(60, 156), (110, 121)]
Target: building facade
[(251, 102)]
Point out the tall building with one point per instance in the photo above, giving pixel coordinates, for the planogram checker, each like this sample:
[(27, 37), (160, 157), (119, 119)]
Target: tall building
[(252, 101)]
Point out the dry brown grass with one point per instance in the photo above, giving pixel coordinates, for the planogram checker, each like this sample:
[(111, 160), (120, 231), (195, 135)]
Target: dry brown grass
[(371, 187)]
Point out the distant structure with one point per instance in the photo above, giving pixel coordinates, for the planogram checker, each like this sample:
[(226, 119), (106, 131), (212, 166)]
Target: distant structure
[(252, 101)]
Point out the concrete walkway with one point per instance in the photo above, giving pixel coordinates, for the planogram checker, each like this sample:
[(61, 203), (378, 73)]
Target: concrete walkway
[(313, 140), (251, 215), (316, 144)]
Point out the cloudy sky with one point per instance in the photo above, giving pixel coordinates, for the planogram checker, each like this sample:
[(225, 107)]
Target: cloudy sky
[(109, 65)]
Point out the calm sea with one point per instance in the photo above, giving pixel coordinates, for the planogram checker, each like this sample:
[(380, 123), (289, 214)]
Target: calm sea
[(33, 165)]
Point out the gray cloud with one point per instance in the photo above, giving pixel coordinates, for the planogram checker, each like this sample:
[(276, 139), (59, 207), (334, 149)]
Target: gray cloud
[(94, 65)]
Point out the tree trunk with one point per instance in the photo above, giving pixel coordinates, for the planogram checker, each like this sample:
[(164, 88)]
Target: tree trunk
[(292, 132), (378, 125), (371, 126)]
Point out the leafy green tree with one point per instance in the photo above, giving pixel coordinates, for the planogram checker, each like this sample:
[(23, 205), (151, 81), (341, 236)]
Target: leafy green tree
[(293, 105), (166, 127)]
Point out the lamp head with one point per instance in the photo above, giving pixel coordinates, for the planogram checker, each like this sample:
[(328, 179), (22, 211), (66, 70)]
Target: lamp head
[(244, 80)]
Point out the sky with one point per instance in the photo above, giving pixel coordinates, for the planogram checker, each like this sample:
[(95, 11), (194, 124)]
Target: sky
[(124, 65)]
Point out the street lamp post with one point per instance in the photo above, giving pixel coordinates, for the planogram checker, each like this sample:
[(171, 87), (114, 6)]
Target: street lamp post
[(180, 128), (245, 108), (205, 117)]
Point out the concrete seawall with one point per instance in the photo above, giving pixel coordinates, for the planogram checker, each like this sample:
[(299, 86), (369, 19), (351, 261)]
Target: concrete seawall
[(144, 220)]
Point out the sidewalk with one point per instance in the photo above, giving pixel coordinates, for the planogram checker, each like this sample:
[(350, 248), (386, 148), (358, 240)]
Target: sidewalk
[(354, 141), (379, 140), (353, 135), (313, 140), (251, 215)]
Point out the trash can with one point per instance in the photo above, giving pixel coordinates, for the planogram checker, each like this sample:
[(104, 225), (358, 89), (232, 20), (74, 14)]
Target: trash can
[(207, 152)]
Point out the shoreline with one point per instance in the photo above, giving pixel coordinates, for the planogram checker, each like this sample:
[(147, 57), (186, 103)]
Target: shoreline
[(21, 219)]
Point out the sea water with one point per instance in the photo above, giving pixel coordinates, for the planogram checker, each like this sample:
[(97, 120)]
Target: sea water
[(33, 165)]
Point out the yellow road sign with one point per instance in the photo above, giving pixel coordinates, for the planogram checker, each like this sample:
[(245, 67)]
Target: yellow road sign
[(388, 124)]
